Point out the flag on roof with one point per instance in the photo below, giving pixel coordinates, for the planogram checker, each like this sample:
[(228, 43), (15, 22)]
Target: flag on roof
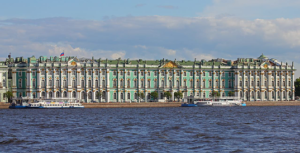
[(62, 54)]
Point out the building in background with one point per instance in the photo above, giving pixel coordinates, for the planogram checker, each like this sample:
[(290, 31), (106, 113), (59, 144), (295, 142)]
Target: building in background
[(120, 80)]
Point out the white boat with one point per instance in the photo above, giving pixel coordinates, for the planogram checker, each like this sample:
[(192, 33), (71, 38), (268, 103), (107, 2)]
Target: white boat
[(203, 102), (227, 101), (224, 101), (54, 103)]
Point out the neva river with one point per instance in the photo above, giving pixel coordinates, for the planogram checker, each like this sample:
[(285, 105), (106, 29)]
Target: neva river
[(206, 129)]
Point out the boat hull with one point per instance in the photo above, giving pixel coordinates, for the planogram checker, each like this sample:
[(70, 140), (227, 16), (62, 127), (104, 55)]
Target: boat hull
[(188, 105)]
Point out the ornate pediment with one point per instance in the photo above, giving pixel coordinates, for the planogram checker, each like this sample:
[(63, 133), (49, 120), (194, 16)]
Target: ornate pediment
[(265, 65), (170, 65), (73, 62)]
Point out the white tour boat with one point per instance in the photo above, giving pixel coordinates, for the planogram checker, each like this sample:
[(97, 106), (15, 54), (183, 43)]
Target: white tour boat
[(224, 101), (55, 103)]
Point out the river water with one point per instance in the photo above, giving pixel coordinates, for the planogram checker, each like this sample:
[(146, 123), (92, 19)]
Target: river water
[(200, 129)]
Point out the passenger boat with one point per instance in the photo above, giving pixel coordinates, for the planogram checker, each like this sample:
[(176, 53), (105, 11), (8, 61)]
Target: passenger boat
[(224, 101), (46, 103)]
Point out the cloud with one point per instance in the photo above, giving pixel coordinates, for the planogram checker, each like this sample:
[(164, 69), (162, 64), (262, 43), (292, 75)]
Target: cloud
[(153, 37), (167, 6), (252, 9)]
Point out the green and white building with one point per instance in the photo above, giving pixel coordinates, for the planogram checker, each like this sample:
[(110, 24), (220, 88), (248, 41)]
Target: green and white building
[(120, 80)]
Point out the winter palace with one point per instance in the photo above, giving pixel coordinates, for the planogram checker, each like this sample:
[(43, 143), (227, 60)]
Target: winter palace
[(120, 80)]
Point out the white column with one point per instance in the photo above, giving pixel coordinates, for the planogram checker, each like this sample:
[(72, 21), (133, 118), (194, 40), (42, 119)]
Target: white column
[(107, 96)]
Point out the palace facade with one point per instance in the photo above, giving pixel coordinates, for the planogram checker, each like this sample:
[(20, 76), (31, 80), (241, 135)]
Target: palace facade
[(120, 80)]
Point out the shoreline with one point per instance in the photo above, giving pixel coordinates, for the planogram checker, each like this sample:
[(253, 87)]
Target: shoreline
[(168, 104)]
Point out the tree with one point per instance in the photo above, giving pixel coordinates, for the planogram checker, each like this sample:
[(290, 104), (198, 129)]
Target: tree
[(99, 94), (297, 87), (178, 95), (230, 93), (215, 94), (168, 95), (8, 95), (140, 95), (154, 95)]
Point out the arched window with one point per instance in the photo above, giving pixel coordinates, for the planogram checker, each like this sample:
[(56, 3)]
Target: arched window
[(135, 95), (33, 95), (57, 83), (170, 83), (198, 83), (74, 94), (90, 95), (191, 83), (50, 94), (128, 95), (65, 94), (43, 94), (74, 83), (96, 84), (122, 97), (204, 95), (266, 94), (43, 84), (241, 83), (241, 94), (57, 94), (96, 94), (278, 94), (135, 83), (82, 83), (149, 85), (258, 83), (115, 83), (217, 83), (161, 95), (177, 83), (284, 94), (115, 95), (273, 94), (210, 83), (103, 95), (258, 95), (142, 83), (33, 83), (90, 83), (82, 95), (162, 83), (103, 83), (253, 94)]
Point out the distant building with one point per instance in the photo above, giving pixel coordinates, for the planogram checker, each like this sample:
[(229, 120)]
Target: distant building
[(120, 80)]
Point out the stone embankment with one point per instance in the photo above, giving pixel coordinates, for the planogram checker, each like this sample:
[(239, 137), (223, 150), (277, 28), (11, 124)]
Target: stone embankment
[(273, 103), (123, 105), (4, 105)]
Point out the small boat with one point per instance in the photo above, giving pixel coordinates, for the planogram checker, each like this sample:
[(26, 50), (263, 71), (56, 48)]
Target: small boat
[(188, 105), (224, 101)]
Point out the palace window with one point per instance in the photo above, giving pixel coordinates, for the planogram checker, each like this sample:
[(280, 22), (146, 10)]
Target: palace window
[(115, 83), (258, 73), (128, 95), (115, 95), (204, 95), (96, 83), (128, 73), (252, 73), (171, 73), (74, 94), (241, 73), (184, 73), (128, 83), (142, 84), (155, 84), (184, 83), (148, 84), (203, 84), (57, 83), (252, 83), (241, 83), (273, 83), (265, 83), (74, 72), (163, 73), (43, 94), (229, 83), (103, 73), (162, 83), (82, 83), (90, 95), (65, 83), (121, 83), (217, 83), (135, 73), (96, 72), (170, 83), (115, 73), (73, 83), (50, 94), (142, 73), (50, 83), (90, 72), (191, 73), (82, 72), (258, 83), (210, 83), (33, 83), (135, 83), (223, 83), (103, 83), (121, 73), (217, 73), (229, 74), (20, 74), (122, 95), (42, 72), (210, 73), (56, 72), (33, 73), (148, 73), (191, 83), (246, 83), (178, 73), (289, 83), (177, 83), (65, 94), (43, 84), (90, 83)]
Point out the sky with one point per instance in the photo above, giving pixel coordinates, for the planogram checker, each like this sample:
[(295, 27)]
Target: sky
[(156, 29)]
